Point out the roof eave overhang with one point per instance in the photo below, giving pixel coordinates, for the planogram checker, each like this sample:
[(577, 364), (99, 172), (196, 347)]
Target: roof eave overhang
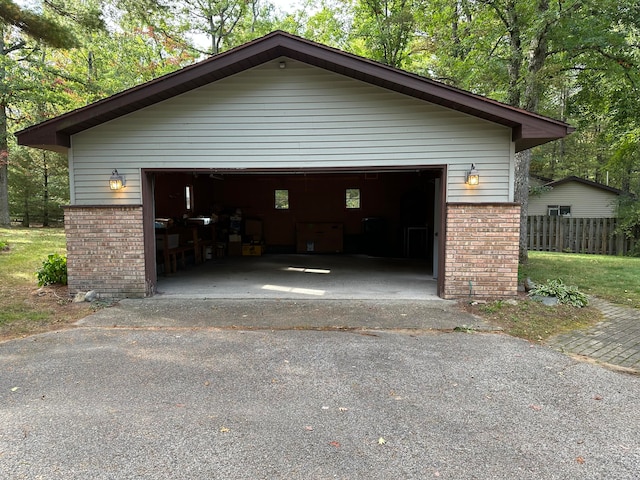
[(586, 182), (536, 133), (528, 129), (45, 139)]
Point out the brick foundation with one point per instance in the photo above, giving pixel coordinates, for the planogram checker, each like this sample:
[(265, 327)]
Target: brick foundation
[(105, 250), (481, 255)]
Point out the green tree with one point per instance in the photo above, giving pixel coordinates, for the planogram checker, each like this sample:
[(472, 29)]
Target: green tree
[(36, 25), (384, 29), (22, 33), (206, 26), (528, 54), (39, 186), (628, 211)]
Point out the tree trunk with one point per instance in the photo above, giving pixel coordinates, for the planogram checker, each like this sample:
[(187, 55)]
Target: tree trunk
[(537, 55), (45, 193), (515, 53), (521, 196), (5, 219)]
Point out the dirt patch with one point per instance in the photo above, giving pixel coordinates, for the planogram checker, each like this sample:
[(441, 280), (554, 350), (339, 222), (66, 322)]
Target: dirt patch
[(43, 309), (526, 318)]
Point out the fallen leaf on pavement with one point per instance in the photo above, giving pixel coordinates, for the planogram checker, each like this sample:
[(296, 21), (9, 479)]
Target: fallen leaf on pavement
[(335, 444), (224, 430), (537, 408), (308, 428), (597, 397), (381, 441), (580, 460)]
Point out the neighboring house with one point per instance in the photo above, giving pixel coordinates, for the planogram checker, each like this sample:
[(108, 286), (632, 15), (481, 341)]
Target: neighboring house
[(288, 119), (574, 197)]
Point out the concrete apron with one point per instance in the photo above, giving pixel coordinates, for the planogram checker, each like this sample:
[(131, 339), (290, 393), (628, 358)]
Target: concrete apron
[(294, 292)]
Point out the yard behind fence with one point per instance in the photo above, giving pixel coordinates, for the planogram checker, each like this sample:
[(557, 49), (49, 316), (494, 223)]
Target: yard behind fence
[(577, 235)]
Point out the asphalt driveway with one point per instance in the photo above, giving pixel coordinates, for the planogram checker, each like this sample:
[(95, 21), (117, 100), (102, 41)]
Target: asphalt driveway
[(203, 402)]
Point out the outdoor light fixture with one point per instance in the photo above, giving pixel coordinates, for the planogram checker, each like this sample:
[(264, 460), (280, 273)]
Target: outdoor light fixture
[(473, 176), (117, 181), (283, 65)]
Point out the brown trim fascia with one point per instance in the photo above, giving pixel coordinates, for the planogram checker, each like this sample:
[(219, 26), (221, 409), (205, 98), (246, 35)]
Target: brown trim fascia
[(304, 49), (148, 232), (275, 45), (299, 171), (442, 240), (156, 90)]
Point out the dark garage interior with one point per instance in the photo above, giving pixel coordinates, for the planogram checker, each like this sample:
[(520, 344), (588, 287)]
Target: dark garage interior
[(203, 215)]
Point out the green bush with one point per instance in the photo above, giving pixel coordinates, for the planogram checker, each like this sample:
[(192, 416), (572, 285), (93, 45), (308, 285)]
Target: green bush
[(3, 245), (566, 294), (53, 270), (628, 213)]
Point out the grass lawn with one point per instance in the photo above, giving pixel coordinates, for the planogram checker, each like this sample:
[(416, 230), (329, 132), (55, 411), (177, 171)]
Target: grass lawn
[(24, 307), (616, 279)]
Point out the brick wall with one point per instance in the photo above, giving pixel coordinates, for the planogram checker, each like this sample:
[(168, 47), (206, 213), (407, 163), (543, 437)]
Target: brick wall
[(105, 250), (481, 253)]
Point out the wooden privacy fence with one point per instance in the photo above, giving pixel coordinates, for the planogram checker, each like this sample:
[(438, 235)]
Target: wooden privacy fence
[(576, 235)]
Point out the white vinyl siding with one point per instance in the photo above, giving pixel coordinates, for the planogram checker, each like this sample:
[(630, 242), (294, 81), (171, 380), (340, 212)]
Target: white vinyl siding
[(297, 117), (585, 201)]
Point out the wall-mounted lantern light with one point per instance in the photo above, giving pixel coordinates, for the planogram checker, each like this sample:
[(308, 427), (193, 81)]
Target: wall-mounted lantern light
[(117, 181), (473, 176)]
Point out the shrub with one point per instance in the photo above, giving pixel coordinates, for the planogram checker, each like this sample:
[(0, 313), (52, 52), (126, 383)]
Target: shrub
[(3, 246), (566, 294), (53, 270), (628, 212)]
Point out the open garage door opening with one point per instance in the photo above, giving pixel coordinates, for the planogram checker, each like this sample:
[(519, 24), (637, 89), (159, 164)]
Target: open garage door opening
[(329, 234)]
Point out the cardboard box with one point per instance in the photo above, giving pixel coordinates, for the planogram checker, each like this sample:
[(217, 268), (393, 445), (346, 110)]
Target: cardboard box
[(234, 249), (249, 250), (173, 241)]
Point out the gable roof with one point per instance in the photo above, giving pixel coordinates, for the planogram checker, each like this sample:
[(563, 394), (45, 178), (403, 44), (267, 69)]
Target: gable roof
[(529, 129), (584, 181)]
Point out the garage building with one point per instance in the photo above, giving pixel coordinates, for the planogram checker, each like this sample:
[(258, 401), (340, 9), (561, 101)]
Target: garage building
[(283, 145)]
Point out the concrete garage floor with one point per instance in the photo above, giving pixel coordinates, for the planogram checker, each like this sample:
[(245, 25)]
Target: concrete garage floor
[(293, 292), (312, 277)]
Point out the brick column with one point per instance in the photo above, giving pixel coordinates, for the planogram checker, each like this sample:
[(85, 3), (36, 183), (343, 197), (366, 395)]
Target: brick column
[(481, 250), (105, 250)]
